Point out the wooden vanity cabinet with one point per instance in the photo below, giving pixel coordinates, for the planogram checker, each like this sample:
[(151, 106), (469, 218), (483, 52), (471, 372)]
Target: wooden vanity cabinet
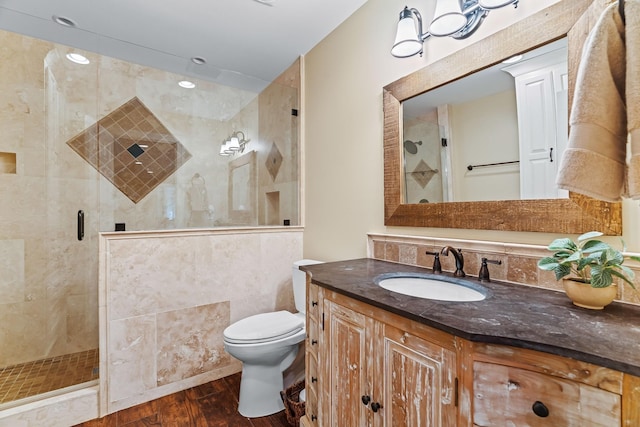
[(369, 367), (379, 369)]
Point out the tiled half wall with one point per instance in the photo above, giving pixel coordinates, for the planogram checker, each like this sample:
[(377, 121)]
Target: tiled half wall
[(519, 262), (166, 298)]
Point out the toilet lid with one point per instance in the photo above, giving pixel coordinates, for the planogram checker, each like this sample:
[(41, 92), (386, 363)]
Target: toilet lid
[(264, 327)]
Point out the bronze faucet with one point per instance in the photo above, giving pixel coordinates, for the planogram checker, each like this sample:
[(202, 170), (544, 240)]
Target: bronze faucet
[(457, 254)]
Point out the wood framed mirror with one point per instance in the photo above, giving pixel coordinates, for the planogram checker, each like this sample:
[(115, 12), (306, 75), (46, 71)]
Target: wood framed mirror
[(577, 214)]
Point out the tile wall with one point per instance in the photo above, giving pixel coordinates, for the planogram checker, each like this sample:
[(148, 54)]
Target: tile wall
[(166, 297)]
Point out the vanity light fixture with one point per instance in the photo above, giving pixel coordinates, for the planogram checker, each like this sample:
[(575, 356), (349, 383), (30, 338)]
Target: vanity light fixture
[(234, 144), (456, 18)]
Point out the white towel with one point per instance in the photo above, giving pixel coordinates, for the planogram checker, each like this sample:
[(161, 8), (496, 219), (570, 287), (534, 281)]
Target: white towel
[(594, 163), (632, 32)]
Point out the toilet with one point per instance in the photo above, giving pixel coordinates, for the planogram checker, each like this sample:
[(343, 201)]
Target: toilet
[(267, 344)]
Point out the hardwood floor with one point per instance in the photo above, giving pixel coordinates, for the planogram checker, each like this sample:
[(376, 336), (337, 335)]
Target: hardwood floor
[(213, 404)]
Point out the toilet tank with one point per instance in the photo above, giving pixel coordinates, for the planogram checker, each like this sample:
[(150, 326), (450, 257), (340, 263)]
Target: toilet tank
[(299, 283)]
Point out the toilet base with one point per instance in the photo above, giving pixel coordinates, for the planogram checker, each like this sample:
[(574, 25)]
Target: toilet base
[(260, 388)]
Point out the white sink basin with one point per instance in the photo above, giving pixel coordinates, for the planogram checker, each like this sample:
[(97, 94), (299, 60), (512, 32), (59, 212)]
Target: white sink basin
[(432, 287)]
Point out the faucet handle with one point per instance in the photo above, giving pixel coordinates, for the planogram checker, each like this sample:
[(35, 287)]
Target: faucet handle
[(483, 275), (437, 268)]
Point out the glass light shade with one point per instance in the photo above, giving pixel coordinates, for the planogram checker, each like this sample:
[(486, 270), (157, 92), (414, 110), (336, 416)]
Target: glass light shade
[(495, 4), (223, 150), (234, 144), (408, 41), (448, 18)]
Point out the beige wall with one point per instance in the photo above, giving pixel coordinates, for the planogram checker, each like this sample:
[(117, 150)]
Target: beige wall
[(344, 76), (485, 135)]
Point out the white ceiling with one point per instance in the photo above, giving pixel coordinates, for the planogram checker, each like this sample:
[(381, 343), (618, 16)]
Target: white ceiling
[(246, 43)]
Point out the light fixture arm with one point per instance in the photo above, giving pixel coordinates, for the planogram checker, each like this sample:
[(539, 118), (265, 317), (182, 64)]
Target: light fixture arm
[(421, 35)]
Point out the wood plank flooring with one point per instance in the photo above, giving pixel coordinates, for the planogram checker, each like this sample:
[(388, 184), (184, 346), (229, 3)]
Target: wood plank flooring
[(212, 404)]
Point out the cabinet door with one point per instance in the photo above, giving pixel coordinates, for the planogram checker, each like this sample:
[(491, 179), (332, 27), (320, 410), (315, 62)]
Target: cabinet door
[(346, 350), (419, 381), (504, 395)]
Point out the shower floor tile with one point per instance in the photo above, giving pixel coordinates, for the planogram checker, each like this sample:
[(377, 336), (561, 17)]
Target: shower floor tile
[(41, 376)]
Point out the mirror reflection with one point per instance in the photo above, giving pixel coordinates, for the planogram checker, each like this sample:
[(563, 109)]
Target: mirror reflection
[(497, 134)]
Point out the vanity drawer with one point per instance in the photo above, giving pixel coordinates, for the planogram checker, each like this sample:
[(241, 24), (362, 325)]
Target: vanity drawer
[(312, 335), (311, 388), (313, 300), (504, 395), (311, 408)]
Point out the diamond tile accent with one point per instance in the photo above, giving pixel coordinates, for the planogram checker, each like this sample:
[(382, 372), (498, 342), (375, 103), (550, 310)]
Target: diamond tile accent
[(423, 173), (131, 148), (274, 161)]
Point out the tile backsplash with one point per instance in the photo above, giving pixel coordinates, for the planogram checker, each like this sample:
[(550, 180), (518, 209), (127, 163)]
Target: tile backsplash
[(518, 261)]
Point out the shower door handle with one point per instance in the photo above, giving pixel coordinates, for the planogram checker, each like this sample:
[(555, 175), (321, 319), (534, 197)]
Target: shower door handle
[(80, 225)]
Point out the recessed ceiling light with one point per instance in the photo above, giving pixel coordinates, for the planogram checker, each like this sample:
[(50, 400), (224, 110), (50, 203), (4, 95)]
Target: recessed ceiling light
[(65, 22), (513, 59), (187, 84), (198, 60), (77, 58)]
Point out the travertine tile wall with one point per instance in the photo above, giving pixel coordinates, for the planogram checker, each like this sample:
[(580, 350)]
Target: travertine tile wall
[(279, 133), (166, 297), (519, 262)]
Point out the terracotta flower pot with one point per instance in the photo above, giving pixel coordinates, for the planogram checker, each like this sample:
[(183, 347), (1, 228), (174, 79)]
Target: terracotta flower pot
[(583, 295)]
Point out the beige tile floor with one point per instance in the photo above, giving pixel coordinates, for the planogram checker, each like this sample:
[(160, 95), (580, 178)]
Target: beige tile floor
[(41, 376)]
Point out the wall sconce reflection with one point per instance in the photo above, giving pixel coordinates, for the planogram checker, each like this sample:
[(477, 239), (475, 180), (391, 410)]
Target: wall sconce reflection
[(234, 144)]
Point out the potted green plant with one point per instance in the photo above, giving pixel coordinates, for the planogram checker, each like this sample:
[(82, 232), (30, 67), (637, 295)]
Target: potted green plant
[(588, 268)]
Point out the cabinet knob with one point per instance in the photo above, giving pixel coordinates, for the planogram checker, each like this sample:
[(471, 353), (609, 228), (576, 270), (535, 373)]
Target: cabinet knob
[(314, 342), (375, 406), (366, 400), (314, 379), (314, 303), (540, 409), (313, 418)]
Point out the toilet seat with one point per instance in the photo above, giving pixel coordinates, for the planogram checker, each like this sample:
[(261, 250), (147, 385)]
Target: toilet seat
[(264, 327)]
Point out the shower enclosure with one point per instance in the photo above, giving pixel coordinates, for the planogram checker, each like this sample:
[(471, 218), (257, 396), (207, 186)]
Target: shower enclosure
[(105, 146)]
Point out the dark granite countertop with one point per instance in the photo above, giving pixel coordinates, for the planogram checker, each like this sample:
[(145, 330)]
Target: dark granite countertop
[(514, 315)]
